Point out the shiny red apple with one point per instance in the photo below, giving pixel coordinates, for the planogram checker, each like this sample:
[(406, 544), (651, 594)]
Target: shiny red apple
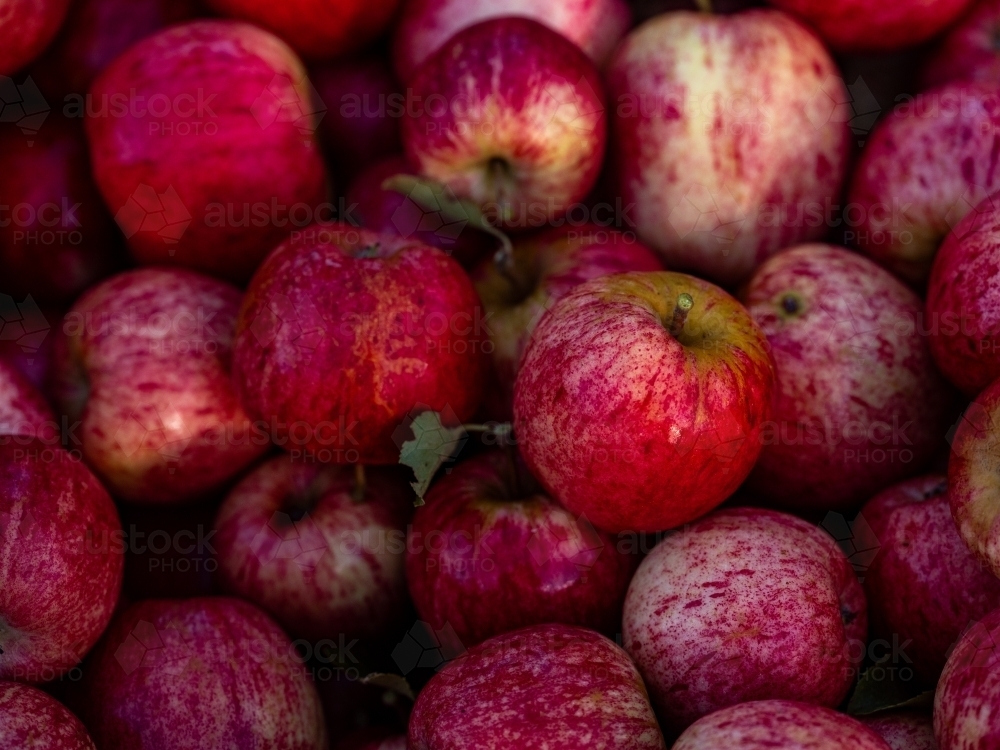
[(202, 139), (490, 553), (60, 539), (344, 333), (320, 552), (510, 116), (636, 377), (143, 360)]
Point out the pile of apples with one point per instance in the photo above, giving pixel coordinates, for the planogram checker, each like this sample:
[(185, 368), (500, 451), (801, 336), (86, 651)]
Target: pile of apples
[(495, 374)]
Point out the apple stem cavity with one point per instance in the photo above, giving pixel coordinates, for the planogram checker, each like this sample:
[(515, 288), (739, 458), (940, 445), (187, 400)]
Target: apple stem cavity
[(684, 304), (705, 6), (360, 483)]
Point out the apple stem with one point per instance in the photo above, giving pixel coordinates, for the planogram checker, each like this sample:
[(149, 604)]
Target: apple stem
[(360, 483), (705, 6), (684, 304)]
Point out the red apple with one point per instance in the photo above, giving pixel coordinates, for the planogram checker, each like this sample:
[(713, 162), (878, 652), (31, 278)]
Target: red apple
[(903, 730), (867, 25), (509, 115), (925, 167), (62, 571), (635, 377), (318, 552), (417, 217), (345, 332), (33, 720), (364, 105), (317, 29), (23, 410), (968, 52), (490, 553), (963, 301), (143, 362), (974, 496), (426, 25), (544, 268), (202, 139), (746, 604), (967, 698), (763, 725), (56, 237), (555, 687), (209, 672), (95, 33), (27, 27), (728, 136), (924, 586), (860, 404)]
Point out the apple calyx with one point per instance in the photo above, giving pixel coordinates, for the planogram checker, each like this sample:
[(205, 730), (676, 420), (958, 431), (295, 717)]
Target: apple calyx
[(705, 6), (432, 197), (435, 444), (684, 304), (791, 304)]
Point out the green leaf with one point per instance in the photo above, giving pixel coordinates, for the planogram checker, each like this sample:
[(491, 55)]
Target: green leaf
[(432, 445), (881, 689), (394, 682), (432, 196)]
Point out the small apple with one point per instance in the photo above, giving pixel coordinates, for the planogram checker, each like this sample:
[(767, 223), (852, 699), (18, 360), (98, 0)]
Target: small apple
[(543, 269), (490, 553), (903, 730), (317, 29), (416, 217), (510, 116), (963, 301), (974, 496), (869, 26), (552, 686), (205, 672), (966, 715), (746, 604), (62, 570), (425, 25), (95, 33), (968, 50), (27, 27), (202, 142), (318, 551), (860, 404), (763, 725), (23, 410), (33, 720), (142, 361), (924, 586), (925, 167), (726, 137), (361, 124), (344, 332), (635, 377), (56, 238)]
